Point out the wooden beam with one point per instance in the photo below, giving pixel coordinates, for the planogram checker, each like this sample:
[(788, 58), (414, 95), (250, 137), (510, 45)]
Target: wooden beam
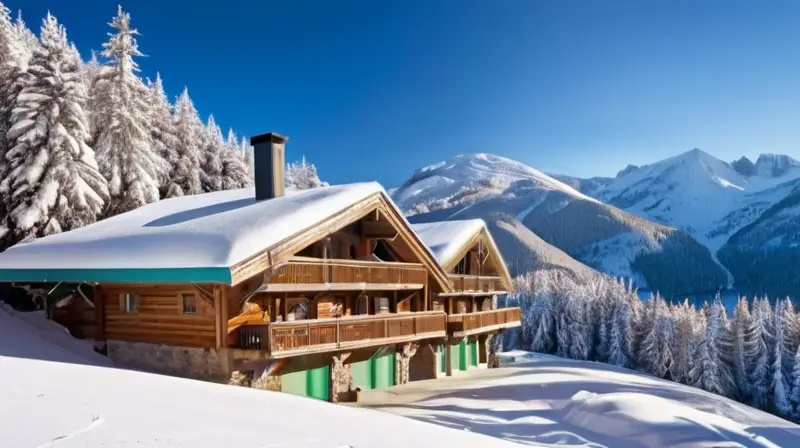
[(377, 230), (224, 315), (217, 294), (100, 314)]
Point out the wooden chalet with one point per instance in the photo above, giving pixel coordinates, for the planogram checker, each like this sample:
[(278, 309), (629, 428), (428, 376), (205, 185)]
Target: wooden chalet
[(478, 274), (316, 292)]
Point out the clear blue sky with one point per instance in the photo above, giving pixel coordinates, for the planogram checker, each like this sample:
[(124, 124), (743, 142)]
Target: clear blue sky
[(371, 90)]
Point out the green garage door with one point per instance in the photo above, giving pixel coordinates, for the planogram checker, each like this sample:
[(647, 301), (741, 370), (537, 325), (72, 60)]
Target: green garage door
[(473, 353), (383, 370), (362, 374), (319, 382), (314, 383), (458, 356), (375, 372)]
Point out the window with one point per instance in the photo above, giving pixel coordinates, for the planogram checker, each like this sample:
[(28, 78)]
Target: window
[(131, 303), (352, 252), (189, 302)]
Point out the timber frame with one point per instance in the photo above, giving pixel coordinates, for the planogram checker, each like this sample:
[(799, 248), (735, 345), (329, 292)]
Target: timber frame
[(378, 204)]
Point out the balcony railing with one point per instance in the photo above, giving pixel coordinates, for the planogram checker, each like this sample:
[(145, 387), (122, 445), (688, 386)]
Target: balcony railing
[(283, 339), (476, 283), (315, 271), (483, 321)]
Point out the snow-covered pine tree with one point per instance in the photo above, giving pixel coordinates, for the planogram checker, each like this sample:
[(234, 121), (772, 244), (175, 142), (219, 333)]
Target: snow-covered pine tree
[(26, 37), (655, 354), (16, 49), (681, 344), (739, 333), (621, 321), (90, 72), (710, 371), (53, 184), (234, 171), (247, 154), (794, 398), (580, 323), (211, 157), (185, 179), (302, 176), (162, 132), (791, 338), (124, 148), (757, 353), (779, 385)]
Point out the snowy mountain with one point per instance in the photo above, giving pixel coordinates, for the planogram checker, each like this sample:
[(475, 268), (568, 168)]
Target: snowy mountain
[(710, 199), (534, 216)]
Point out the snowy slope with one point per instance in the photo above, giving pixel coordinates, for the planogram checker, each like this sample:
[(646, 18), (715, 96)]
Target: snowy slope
[(499, 190), (566, 403), (55, 392)]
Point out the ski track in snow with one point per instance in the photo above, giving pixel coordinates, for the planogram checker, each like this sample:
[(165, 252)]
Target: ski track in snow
[(97, 420)]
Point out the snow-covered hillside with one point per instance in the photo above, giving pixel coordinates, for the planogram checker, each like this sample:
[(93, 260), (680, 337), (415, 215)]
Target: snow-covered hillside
[(56, 392), (566, 403), (764, 255), (511, 196)]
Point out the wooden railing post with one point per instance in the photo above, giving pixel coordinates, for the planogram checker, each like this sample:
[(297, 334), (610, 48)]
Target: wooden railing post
[(338, 339)]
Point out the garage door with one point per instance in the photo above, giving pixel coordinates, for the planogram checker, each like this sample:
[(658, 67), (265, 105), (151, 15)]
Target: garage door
[(375, 372), (314, 383)]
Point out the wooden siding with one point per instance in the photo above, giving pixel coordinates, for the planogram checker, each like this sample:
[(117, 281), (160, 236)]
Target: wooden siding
[(483, 321), (477, 283), (160, 317)]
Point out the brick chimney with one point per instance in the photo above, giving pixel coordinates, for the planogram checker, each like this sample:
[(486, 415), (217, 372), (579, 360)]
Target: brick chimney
[(269, 165)]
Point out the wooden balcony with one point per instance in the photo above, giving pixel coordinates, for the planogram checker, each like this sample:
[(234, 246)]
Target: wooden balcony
[(285, 339), (461, 325), (314, 274), (471, 284)]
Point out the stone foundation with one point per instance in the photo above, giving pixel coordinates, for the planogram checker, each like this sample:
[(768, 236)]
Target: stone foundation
[(425, 363), (402, 362), (341, 380), (188, 362)]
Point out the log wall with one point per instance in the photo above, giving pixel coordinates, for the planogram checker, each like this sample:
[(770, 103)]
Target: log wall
[(160, 318)]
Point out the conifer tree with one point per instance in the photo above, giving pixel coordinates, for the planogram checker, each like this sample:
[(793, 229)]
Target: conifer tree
[(16, 48), (709, 371), (211, 157), (162, 132), (234, 170), (794, 399), (780, 385), (53, 183), (124, 148), (757, 353), (739, 330), (185, 179)]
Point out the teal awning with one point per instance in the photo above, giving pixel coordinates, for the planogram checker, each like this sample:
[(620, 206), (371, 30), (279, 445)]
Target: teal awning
[(146, 275)]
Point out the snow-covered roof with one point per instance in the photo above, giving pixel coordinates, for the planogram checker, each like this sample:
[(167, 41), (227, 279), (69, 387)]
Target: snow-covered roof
[(190, 238), (447, 238)]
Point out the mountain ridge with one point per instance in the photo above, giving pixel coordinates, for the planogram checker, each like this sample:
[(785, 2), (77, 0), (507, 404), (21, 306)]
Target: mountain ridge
[(512, 196)]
